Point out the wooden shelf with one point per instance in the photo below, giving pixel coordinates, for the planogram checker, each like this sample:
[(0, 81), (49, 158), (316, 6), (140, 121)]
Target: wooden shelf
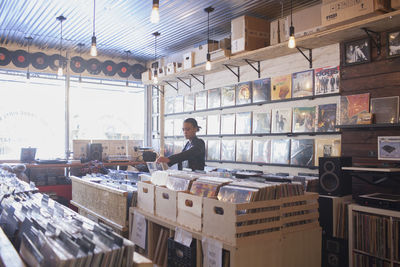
[(369, 126), (327, 36), (265, 164), (261, 135), (369, 254)]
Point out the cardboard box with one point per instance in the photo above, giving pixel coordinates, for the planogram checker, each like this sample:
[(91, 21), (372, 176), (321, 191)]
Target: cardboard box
[(225, 43), (395, 4), (171, 68), (220, 53), (188, 60), (145, 201), (200, 52), (161, 72), (190, 211), (249, 33), (166, 203), (274, 32), (336, 11)]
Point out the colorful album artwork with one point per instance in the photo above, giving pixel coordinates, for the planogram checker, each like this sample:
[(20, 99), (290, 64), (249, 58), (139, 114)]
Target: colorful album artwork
[(302, 152), (243, 150), (281, 120), (327, 80), (261, 151), (280, 151), (228, 123), (178, 105), (353, 106), (303, 119), (213, 150), (228, 96), (214, 98), (169, 105), (385, 109), (201, 100), (243, 123), (281, 87), (188, 103), (213, 123), (261, 122), (303, 83), (228, 150), (168, 148), (329, 147), (202, 123), (327, 118), (155, 106), (178, 146), (243, 93), (204, 189), (261, 90), (236, 194), (169, 127), (178, 123)]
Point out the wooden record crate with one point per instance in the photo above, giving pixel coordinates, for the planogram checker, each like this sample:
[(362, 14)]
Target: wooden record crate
[(166, 203), (146, 201), (190, 211)]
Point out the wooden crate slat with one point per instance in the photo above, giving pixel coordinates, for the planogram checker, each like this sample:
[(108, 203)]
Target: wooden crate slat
[(257, 215)]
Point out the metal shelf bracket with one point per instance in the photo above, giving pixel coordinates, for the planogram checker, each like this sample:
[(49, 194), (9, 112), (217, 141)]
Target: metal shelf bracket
[(229, 67), (376, 40), (185, 83), (170, 84), (309, 58), (257, 69), (203, 81)]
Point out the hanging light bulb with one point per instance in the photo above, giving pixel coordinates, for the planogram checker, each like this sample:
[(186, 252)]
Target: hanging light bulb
[(93, 48), (155, 15), (208, 63), (60, 63), (292, 41)]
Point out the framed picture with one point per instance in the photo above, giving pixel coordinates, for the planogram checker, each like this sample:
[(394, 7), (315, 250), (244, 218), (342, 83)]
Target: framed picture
[(389, 148), (357, 52), (393, 43)]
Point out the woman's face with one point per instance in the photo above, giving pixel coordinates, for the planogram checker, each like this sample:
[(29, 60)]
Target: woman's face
[(189, 131)]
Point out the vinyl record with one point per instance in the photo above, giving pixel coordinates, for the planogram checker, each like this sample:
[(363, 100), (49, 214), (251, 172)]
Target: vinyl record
[(20, 58), (93, 66), (78, 64), (5, 56), (40, 61), (123, 69), (137, 70), (54, 61), (109, 68)]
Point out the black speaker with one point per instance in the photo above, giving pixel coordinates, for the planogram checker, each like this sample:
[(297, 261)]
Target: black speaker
[(95, 151), (332, 180), (149, 156), (334, 252)]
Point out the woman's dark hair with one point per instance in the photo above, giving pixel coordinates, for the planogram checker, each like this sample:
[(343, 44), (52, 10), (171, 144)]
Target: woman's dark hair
[(193, 122)]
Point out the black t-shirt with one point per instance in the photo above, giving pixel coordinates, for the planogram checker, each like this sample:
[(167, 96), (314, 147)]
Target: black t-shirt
[(194, 152)]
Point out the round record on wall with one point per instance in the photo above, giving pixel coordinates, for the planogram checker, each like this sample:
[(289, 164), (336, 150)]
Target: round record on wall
[(54, 61), (137, 70), (20, 58), (39, 60), (78, 64), (5, 56), (93, 66), (109, 68), (123, 69)]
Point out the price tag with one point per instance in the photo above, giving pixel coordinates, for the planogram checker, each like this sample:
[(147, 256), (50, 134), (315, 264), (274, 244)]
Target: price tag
[(139, 230), (212, 252), (183, 237)]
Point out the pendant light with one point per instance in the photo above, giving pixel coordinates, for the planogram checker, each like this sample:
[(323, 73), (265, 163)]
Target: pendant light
[(155, 75), (29, 39), (60, 63), (292, 41), (155, 15), (208, 63), (93, 48)]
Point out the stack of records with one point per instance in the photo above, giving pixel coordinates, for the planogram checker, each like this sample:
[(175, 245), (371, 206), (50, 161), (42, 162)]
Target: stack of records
[(208, 186)]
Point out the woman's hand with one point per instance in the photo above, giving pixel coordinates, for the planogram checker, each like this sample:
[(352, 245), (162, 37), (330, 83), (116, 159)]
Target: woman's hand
[(162, 160)]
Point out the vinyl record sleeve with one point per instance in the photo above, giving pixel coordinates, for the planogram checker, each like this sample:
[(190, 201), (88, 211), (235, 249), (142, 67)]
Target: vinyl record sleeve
[(213, 125), (327, 118), (39, 60), (178, 106), (169, 127), (201, 100), (168, 148), (202, 123), (213, 150), (302, 152), (228, 123), (228, 96), (303, 83), (188, 103), (178, 146), (303, 119), (261, 122), (109, 68), (385, 109), (327, 147), (280, 151), (262, 151), (243, 93), (352, 106), (243, 123), (236, 194), (389, 148), (243, 150), (123, 69), (204, 189), (178, 123), (228, 150), (5, 56), (78, 64), (169, 104), (281, 120), (326, 80), (214, 98), (281, 87), (261, 90), (93, 66)]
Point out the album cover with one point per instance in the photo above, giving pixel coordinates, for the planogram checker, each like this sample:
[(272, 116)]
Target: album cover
[(281, 121), (352, 106), (228, 123), (327, 80), (303, 83), (168, 148), (280, 149), (385, 109), (261, 90), (261, 151), (204, 189), (155, 106), (201, 100), (243, 123), (169, 104), (302, 152), (178, 146), (188, 103), (169, 127), (213, 123), (328, 147), (243, 93), (243, 150), (202, 123), (228, 150), (389, 148), (303, 119), (327, 118), (178, 183), (281, 87), (214, 98), (213, 150), (178, 123), (261, 122), (178, 105), (228, 96), (237, 194)]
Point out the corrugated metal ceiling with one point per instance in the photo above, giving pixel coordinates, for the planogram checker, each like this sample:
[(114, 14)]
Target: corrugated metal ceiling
[(125, 25)]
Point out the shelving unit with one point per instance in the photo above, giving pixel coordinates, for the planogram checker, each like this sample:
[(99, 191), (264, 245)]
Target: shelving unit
[(265, 134), (369, 126)]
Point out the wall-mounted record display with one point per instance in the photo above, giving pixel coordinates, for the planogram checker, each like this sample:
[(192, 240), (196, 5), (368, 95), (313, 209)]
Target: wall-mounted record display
[(78, 64), (109, 68), (5, 56), (123, 69), (137, 70), (93, 66), (20, 58), (54, 61), (39, 60)]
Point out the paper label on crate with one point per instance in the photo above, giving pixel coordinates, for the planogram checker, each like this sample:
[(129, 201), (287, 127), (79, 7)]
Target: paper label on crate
[(183, 237), (237, 45), (139, 230), (212, 252)]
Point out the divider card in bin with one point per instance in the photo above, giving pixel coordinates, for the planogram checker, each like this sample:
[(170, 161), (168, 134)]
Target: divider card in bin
[(146, 196)]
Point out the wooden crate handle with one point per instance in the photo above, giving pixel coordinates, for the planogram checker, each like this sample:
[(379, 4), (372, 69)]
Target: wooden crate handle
[(219, 210), (145, 190), (165, 195), (188, 203)]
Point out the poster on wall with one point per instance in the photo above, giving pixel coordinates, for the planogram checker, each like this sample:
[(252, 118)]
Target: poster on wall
[(327, 80)]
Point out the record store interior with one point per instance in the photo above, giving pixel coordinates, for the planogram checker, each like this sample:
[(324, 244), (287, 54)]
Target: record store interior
[(213, 133)]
